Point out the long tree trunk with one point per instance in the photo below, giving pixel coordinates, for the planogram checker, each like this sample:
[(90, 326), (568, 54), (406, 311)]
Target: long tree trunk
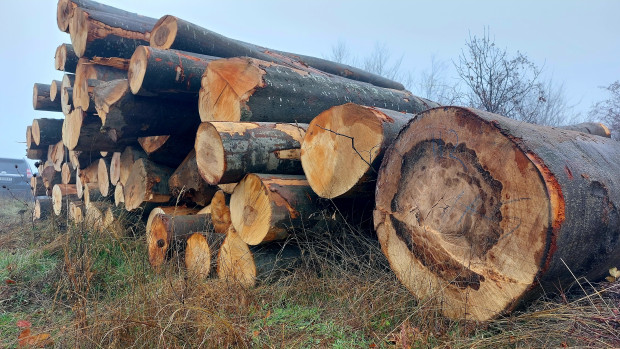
[(169, 150), (187, 184), (147, 182), (126, 115), (174, 33), (266, 208), (246, 89), (166, 73), (65, 58), (46, 131), (343, 148), (246, 265), (227, 151), (103, 34), (201, 251), (220, 212), (81, 132), (165, 229), (482, 211), (41, 98)]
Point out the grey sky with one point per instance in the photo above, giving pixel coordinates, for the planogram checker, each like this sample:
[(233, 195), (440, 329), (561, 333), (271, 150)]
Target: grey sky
[(577, 41)]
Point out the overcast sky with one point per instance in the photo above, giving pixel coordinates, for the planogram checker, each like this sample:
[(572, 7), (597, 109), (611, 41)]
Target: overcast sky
[(578, 42)]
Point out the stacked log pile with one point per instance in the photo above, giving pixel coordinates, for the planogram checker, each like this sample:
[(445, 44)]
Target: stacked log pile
[(229, 148)]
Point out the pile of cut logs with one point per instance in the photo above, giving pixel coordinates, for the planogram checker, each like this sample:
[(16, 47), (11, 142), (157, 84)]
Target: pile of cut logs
[(227, 148)]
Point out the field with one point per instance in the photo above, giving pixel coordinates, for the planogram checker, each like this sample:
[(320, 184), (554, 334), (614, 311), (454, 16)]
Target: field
[(72, 287)]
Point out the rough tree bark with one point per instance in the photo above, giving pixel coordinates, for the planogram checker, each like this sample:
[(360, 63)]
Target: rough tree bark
[(168, 150), (41, 98), (186, 183), (482, 212), (147, 182), (65, 58), (82, 132)]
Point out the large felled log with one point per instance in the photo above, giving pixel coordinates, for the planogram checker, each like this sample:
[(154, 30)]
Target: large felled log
[(124, 114), (227, 151), (41, 98), (168, 150), (595, 128), (147, 182), (104, 34), (344, 146), (266, 208), (246, 89), (201, 253), (62, 194), (65, 9), (246, 265), (65, 58), (220, 212), (46, 131), (127, 159), (187, 184), (81, 132), (166, 73), (174, 33), (483, 211), (169, 210), (165, 229), (87, 70)]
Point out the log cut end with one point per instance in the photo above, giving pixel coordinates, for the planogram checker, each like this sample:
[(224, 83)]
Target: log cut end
[(250, 208), (33, 134), (115, 168), (103, 176), (78, 31), (339, 147), (119, 194), (210, 153), (71, 128), (137, 68), (463, 216), (147, 182), (107, 94), (55, 90), (198, 256), (164, 32), (220, 213), (66, 174), (226, 85), (64, 9), (157, 240), (235, 262)]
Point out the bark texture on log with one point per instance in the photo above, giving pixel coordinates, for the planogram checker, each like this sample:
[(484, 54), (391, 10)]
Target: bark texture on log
[(594, 128), (36, 154), (46, 131), (227, 151), (165, 229), (483, 211), (174, 33), (49, 176), (41, 98), (246, 265), (220, 212), (246, 89), (343, 148), (65, 58), (82, 132), (126, 115), (37, 187), (187, 184), (147, 182), (266, 208), (169, 210), (43, 208), (31, 145), (168, 150), (66, 100), (166, 73)]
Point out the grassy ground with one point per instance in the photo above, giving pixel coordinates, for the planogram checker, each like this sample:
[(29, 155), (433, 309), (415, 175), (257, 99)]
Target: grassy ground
[(88, 289)]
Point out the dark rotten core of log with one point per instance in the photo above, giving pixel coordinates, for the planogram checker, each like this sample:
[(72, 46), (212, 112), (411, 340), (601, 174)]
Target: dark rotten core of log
[(246, 89), (147, 182), (343, 148), (166, 73), (168, 150), (46, 131), (96, 33), (65, 58), (227, 151), (126, 115), (174, 33), (186, 184), (41, 98), (165, 229), (488, 211)]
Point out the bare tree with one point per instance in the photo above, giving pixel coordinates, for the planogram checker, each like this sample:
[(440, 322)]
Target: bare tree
[(341, 53), (608, 110), (432, 84)]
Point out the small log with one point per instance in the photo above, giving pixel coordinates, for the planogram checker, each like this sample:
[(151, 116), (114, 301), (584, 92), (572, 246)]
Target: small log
[(91, 193), (43, 208), (169, 150), (65, 58), (166, 73), (103, 176), (594, 128), (484, 212), (77, 208), (115, 168), (66, 100), (56, 155), (246, 89), (201, 253), (119, 195), (169, 210), (174, 33), (67, 174), (37, 187), (187, 184), (41, 98), (103, 34), (31, 145), (86, 70), (82, 159), (49, 176), (62, 194), (97, 215), (55, 90), (266, 208), (227, 151), (126, 115), (81, 131), (343, 148), (246, 265), (128, 157), (165, 229), (46, 131), (220, 212), (147, 182)]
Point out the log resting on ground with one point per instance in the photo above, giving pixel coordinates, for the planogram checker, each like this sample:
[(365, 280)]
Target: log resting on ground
[(147, 182)]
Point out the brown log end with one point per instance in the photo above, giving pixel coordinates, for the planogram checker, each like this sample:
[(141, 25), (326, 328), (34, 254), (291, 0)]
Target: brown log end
[(226, 85), (220, 213), (157, 241), (164, 32), (197, 256), (340, 145), (235, 262)]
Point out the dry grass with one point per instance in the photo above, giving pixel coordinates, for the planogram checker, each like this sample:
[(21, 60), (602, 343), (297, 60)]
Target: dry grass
[(97, 290)]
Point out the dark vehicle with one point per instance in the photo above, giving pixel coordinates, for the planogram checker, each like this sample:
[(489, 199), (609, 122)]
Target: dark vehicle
[(15, 178)]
